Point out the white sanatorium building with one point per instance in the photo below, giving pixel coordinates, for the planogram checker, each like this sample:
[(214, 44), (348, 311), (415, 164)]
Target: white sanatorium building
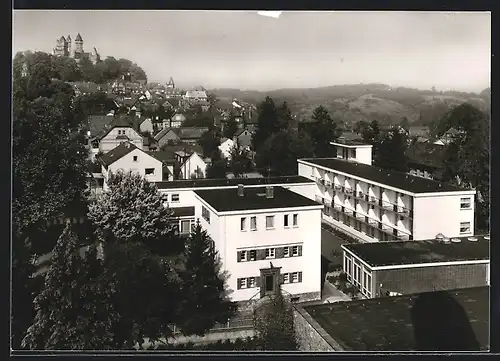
[(375, 204), (254, 222), (265, 236)]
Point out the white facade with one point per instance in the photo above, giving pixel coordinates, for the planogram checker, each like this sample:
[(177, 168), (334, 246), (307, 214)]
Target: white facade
[(226, 147), (146, 126), (360, 153), (139, 162), (372, 212), (109, 141), (185, 196), (225, 229), (193, 165)]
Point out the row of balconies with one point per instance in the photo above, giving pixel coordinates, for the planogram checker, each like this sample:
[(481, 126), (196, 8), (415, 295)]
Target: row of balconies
[(394, 207), (392, 232)]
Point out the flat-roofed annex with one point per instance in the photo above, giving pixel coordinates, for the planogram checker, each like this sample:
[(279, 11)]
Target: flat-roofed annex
[(405, 253)]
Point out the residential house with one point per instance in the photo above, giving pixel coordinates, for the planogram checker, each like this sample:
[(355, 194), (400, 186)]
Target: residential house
[(190, 135), (265, 236), (168, 161), (225, 147), (196, 95), (450, 135), (146, 125), (128, 157), (426, 160), (244, 139), (121, 130), (419, 131), (386, 268), (192, 165), (454, 320), (177, 120), (374, 204)]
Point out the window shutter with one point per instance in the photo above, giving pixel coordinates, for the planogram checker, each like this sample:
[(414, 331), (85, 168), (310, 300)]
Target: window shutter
[(239, 256), (300, 250), (282, 279), (248, 282), (300, 276), (261, 254), (257, 281), (280, 252), (238, 285)]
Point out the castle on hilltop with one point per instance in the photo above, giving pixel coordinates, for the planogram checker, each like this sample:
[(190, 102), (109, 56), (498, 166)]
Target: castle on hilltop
[(64, 47)]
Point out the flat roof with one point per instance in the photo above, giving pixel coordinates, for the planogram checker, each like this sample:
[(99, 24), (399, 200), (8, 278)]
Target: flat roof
[(222, 182), (433, 321), (227, 199), (379, 254), (391, 178), (350, 143)]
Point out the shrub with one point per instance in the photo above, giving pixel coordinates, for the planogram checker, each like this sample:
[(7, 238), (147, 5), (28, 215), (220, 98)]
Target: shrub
[(333, 267)]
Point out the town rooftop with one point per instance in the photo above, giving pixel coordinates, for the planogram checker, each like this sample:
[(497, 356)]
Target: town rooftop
[(380, 254), (227, 199), (431, 321), (390, 178)]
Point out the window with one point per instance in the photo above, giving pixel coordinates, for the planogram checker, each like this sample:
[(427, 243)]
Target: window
[(357, 276), (295, 220), (205, 214), (269, 283), (135, 158), (286, 278), (295, 250), (286, 252), (242, 283), (270, 253), (243, 224), (251, 282), (243, 256), (367, 284), (185, 226), (295, 277), (175, 198), (465, 203), (150, 171), (464, 227), (253, 223), (253, 255), (285, 220), (269, 222)]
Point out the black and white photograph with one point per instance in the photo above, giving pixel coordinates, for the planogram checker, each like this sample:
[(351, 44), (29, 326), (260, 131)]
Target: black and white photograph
[(207, 181)]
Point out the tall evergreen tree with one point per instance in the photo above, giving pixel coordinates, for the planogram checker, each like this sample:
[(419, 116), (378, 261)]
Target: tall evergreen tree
[(73, 311), (217, 167), (267, 123), (205, 300), (274, 324), (240, 161), (323, 131), (391, 152), (230, 127)]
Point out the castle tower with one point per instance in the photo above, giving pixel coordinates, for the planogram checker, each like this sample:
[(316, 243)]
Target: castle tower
[(171, 84), (68, 45), (78, 44)]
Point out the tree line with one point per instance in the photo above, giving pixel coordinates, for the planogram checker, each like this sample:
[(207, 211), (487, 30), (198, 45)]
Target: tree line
[(67, 69)]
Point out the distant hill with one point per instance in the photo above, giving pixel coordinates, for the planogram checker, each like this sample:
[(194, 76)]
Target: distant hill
[(367, 102)]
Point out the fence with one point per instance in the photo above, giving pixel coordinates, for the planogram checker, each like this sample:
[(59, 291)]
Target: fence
[(236, 323)]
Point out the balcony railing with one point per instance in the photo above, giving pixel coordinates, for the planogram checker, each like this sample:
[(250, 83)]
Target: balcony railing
[(328, 183), (338, 187), (387, 205), (348, 190), (327, 202)]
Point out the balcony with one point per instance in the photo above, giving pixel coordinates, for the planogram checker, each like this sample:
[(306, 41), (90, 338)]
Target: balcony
[(348, 191), (328, 183), (373, 200), (338, 187), (348, 211), (327, 202), (319, 199), (385, 228), (387, 205)]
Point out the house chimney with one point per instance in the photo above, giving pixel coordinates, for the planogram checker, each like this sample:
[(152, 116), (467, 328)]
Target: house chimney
[(241, 190), (269, 192)]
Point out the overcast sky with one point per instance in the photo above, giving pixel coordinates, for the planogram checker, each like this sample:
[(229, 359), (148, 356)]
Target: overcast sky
[(241, 49)]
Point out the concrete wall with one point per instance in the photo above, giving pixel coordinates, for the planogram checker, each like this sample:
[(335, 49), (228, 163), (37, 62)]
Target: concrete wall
[(423, 279), (310, 335), (441, 213)]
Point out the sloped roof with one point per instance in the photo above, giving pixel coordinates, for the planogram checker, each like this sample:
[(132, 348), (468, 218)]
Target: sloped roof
[(196, 94), (185, 133), (169, 151), (165, 157), (98, 123), (116, 153), (162, 133), (78, 37), (122, 120)]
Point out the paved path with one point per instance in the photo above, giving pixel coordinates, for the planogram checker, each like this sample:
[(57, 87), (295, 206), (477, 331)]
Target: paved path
[(330, 242)]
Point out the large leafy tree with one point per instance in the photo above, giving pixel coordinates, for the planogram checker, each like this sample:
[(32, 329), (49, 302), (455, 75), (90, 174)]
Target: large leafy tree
[(391, 151), (49, 170), (323, 131), (132, 211), (274, 324), (467, 158), (73, 310), (268, 122), (230, 127), (278, 155), (209, 142), (240, 161), (205, 300), (217, 168)]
